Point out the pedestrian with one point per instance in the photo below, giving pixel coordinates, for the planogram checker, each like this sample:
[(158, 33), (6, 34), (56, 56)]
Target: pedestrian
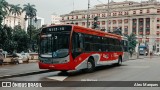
[(1, 57), (150, 55), (146, 52)]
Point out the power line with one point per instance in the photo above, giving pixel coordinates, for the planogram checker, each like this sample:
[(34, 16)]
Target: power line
[(100, 2)]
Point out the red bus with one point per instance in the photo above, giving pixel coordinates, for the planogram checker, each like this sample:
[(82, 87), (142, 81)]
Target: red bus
[(72, 47)]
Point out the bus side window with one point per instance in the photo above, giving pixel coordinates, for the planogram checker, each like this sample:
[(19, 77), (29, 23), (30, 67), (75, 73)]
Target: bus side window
[(77, 44)]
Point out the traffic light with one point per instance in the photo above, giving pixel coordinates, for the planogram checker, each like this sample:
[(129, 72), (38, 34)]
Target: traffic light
[(95, 24)]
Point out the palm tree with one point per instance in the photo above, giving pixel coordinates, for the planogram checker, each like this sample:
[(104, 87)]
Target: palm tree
[(16, 10), (3, 9), (30, 13), (30, 10)]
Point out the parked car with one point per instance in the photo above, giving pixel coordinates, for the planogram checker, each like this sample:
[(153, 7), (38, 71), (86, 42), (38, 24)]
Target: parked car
[(157, 54), (20, 58), (1, 57)]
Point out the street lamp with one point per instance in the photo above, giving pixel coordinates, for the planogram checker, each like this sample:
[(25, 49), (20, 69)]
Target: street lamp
[(107, 29), (30, 28), (88, 14)]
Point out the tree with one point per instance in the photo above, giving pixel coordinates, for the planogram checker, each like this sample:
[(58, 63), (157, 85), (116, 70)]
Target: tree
[(20, 38), (132, 42), (6, 38), (3, 11), (16, 10), (31, 13), (30, 10), (34, 34)]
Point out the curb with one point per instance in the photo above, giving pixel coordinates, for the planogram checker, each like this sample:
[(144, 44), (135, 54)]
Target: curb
[(25, 74)]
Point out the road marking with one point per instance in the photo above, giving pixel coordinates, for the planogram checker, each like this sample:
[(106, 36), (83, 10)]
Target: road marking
[(58, 78), (3, 69)]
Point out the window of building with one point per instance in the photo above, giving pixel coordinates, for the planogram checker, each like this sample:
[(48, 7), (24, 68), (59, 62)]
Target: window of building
[(103, 15), (89, 16), (119, 21), (115, 14), (83, 23), (62, 18), (114, 22), (72, 17), (158, 26), (109, 22), (76, 23), (141, 11), (103, 22), (98, 15), (125, 13), (109, 14), (148, 11), (93, 16), (76, 17), (158, 10), (89, 23), (126, 21), (68, 17), (134, 12), (120, 13), (83, 16), (158, 19)]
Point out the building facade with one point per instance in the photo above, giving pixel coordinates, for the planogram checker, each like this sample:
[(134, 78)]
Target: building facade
[(12, 20), (142, 19), (55, 19)]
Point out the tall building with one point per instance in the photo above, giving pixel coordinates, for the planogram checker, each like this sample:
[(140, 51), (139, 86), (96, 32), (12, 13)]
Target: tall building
[(12, 20), (142, 19), (55, 19), (38, 23)]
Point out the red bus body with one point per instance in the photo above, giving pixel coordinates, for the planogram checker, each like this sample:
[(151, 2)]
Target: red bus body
[(80, 61)]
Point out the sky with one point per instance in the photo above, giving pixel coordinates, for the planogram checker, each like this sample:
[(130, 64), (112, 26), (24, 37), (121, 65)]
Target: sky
[(46, 7)]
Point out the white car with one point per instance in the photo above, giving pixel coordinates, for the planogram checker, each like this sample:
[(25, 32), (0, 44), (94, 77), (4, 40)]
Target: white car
[(23, 57), (157, 54)]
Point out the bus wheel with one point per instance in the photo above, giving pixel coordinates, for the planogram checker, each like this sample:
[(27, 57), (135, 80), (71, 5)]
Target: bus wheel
[(119, 61), (90, 66), (64, 72)]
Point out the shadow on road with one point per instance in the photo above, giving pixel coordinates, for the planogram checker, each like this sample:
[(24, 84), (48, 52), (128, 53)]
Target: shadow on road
[(80, 72)]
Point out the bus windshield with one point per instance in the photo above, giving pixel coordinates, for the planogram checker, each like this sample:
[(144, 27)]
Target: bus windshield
[(54, 45)]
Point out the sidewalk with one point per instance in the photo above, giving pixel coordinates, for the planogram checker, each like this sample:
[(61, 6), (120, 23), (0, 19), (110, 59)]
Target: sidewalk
[(134, 57), (19, 69)]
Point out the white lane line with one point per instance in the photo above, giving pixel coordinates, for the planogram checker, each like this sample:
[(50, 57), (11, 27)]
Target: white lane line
[(58, 78), (3, 69)]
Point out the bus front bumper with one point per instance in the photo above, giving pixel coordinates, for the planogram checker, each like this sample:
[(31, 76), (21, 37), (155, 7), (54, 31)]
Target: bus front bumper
[(58, 67)]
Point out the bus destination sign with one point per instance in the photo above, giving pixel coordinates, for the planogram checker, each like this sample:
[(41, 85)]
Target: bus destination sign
[(56, 29)]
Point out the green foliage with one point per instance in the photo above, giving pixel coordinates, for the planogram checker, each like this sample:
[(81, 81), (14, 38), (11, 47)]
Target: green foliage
[(16, 39), (21, 38), (30, 10), (3, 11), (132, 41), (34, 35)]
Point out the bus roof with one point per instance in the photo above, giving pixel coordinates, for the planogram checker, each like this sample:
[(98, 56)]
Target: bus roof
[(81, 29)]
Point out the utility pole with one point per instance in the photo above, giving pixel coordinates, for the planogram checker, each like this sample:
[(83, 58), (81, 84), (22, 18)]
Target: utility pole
[(107, 17), (88, 14), (72, 13)]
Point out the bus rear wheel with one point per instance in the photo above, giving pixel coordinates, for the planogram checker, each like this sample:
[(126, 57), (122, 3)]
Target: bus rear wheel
[(63, 71), (90, 66)]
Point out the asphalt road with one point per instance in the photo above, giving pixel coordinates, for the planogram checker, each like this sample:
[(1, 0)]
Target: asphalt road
[(134, 70)]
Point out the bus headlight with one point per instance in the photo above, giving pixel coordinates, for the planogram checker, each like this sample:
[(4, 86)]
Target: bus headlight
[(64, 61)]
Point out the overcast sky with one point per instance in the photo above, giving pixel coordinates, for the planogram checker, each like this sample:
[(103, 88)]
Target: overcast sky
[(46, 7)]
